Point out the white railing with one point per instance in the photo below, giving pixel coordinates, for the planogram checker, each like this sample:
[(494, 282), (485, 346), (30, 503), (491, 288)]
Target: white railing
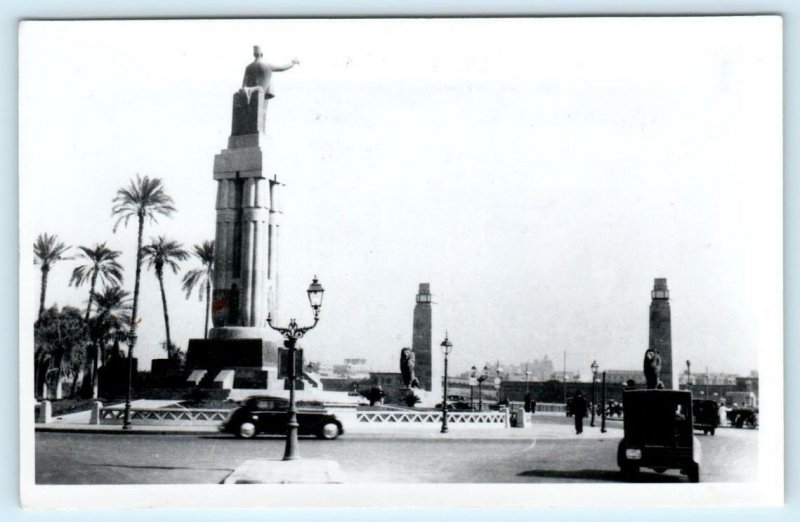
[(422, 417), (164, 414), (550, 407)]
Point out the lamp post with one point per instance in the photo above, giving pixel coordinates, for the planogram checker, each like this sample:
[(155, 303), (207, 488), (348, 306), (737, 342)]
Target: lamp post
[(447, 347), (482, 377), (594, 367), (688, 374), (603, 421), (498, 382), (473, 378), (291, 334), (126, 420)]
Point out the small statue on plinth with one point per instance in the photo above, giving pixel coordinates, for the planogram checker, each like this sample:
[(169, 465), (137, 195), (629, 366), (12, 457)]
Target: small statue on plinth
[(652, 369), (407, 368)]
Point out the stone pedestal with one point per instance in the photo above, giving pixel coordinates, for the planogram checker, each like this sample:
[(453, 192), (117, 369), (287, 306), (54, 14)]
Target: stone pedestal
[(252, 360)]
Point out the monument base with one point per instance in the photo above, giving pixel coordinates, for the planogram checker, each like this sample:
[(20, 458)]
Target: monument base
[(273, 471), (233, 357)]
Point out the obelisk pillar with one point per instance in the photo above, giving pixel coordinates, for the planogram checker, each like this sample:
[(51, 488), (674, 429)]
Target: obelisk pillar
[(661, 329)]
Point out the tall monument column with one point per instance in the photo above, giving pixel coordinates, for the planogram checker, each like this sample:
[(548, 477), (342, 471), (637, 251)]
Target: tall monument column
[(245, 275), (661, 329), (421, 342), (237, 353)]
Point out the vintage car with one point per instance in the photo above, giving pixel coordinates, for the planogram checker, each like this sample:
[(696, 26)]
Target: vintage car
[(658, 433), (743, 417), (456, 402), (705, 414), (269, 415)]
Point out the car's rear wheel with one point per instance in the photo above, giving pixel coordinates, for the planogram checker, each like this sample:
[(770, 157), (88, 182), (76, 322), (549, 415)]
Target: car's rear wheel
[(712, 431), (329, 431), (247, 430), (694, 472)]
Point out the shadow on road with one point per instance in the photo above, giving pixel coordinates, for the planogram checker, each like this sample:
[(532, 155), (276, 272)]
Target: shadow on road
[(602, 475)]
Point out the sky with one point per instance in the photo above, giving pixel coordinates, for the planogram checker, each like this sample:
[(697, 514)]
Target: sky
[(538, 173)]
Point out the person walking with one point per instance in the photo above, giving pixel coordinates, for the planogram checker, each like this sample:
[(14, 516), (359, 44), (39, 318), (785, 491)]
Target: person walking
[(579, 408)]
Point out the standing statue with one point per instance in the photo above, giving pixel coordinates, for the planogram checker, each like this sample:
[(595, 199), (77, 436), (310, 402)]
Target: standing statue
[(259, 74), (407, 368), (652, 369)]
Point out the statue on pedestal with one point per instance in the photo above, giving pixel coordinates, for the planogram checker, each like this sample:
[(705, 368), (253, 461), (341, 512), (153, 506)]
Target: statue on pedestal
[(259, 74), (652, 369), (250, 102), (407, 368)]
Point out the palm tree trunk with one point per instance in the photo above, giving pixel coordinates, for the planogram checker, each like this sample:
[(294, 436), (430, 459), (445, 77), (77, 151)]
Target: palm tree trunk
[(132, 335), (45, 272), (95, 368), (208, 307), (88, 376), (160, 276), (91, 293)]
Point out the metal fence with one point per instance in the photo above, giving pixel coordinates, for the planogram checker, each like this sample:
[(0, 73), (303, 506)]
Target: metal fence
[(421, 417), (165, 414)]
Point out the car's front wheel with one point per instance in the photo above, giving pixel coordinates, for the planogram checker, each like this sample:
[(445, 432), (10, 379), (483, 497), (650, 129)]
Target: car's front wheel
[(329, 431), (247, 430)]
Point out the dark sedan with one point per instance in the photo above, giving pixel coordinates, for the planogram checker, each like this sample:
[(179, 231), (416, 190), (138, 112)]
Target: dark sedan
[(269, 415)]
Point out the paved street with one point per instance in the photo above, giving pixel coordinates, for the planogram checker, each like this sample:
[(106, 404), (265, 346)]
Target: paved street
[(96, 458)]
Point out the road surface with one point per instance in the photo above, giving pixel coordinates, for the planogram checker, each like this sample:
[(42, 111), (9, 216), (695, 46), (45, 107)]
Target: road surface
[(88, 458)]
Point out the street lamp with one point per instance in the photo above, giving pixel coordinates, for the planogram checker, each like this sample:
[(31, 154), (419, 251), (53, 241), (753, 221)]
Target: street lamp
[(482, 377), (688, 374), (498, 382), (291, 334), (603, 418), (126, 420), (594, 367), (473, 378), (447, 347)]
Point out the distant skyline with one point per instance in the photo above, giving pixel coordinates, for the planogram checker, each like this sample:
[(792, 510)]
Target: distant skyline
[(538, 173)]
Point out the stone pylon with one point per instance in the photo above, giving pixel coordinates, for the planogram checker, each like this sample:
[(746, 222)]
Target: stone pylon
[(661, 329), (421, 342)]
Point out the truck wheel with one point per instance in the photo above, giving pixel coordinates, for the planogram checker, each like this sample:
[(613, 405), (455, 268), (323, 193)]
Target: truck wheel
[(247, 430), (712, 431), (694, 473), (329, 431)]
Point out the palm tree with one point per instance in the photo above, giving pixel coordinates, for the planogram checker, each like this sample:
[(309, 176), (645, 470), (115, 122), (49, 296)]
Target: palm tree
[(102, 265), (160, 253), (108, 325), (143, 199), (59, 345), (47, 250), (201, 277)]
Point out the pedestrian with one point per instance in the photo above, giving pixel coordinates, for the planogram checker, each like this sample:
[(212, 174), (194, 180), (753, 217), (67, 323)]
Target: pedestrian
[(579, 407)]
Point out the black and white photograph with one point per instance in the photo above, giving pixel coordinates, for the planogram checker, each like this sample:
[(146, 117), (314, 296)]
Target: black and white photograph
[(454, 262)]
